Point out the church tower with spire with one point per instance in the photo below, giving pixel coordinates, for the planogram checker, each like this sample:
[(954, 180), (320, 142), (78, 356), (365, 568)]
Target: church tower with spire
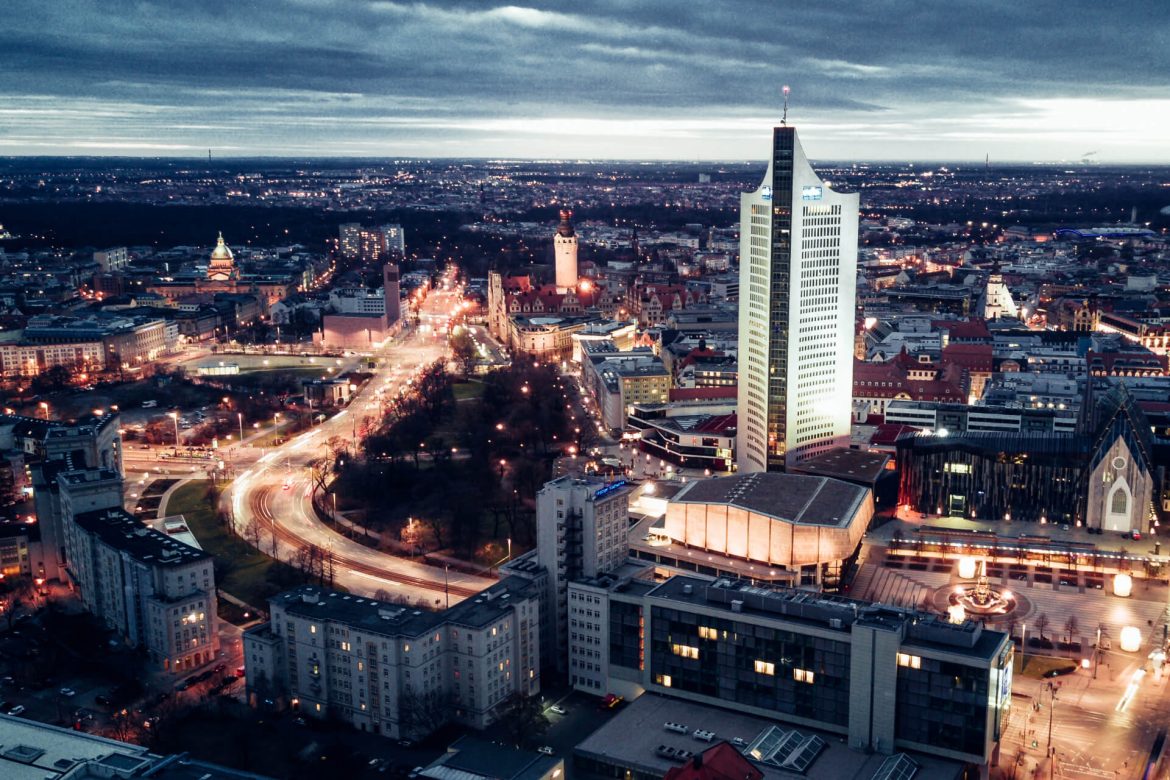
[(565, 248)]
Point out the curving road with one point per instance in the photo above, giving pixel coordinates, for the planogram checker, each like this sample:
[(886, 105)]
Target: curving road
[(275, 490)]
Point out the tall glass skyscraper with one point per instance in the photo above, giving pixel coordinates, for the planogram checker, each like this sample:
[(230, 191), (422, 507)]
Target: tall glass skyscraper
[(798, 268)]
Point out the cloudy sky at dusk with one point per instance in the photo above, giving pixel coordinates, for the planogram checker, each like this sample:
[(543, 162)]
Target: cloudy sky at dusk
[(876, 80)]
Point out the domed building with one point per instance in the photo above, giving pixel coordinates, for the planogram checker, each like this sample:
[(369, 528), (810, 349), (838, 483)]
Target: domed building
[(223, 277), (222, 267)]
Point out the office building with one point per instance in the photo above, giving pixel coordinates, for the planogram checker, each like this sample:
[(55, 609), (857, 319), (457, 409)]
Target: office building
[(581, 531), (112, 259), (565, 249), (798, 269), (364, 323), (396, 670), (1108, 474), (885, 679)]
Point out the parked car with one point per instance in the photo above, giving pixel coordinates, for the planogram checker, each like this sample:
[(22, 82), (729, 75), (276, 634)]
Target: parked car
[(558, 709), (68, 693), (18, 709), (548, 751)]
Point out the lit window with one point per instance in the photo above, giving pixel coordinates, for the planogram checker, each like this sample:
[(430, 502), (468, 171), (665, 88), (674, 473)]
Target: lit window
[(663, 680), (765, 667), (958, 468), (708, 633), (910, 661), (803, 675), (312, 629), (686, 651)]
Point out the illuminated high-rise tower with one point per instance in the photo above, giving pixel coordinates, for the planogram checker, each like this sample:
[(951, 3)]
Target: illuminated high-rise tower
[(798, 267), (565, 247)]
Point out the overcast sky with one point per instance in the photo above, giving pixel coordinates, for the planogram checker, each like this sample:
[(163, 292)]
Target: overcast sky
[(871, 79)]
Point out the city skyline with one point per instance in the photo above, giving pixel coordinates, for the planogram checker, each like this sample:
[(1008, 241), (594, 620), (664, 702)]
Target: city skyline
[(597, 81)]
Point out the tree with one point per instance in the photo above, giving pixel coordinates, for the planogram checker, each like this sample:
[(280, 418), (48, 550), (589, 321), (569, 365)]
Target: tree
[(420, 714), (1042, 624), (524, 719), (1071, 627), (251, 532), (463, 349)]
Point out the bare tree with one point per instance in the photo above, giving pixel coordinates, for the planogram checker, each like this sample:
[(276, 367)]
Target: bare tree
[(420, 714), (381, 594), (251, 532), (1042, 624), (1071, 627)]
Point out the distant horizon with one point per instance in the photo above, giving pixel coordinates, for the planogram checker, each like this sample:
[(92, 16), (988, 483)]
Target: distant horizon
[(980, 161)]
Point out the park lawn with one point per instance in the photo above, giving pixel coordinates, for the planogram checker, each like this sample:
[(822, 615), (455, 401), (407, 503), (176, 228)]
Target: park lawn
[(1039, 664), (248, 568), (467, 390)]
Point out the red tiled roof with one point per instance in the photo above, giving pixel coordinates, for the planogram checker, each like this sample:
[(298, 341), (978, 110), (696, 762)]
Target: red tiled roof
[(974, 329), (717, 424), (721, 762), (703, 393), (888, 433)]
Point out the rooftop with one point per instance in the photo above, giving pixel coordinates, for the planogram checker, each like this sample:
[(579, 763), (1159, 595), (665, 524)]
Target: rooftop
[(847, 464), (122, 531), (470, 758), (631, 739), (800, 499), (382, 617)]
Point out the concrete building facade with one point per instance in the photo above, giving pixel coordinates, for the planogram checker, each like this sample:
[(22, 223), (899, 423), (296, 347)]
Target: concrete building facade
[(581, 531), (798, 269), (396, 670)]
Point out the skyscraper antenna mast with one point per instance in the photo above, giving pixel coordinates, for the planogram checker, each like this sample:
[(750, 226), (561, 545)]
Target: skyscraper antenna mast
[(784, 116)]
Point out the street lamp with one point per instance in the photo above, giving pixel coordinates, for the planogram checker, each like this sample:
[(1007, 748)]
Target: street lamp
[(175, 416), (45, 406), (276, 428), (240, 418)]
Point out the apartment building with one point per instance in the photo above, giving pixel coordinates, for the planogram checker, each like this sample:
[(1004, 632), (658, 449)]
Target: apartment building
[(158, 593), (396, 670)]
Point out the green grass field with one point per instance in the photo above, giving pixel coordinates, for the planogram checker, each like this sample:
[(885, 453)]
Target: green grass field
[(248, 569)]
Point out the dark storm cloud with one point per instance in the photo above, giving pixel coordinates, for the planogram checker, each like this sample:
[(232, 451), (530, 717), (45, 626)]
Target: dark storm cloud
[(656, 78)]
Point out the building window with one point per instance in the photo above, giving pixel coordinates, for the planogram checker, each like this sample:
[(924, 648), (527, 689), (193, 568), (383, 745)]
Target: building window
[(708, 633), (765, 667), (686, 651), (312, 629), (803, 675), (663, 680), (958, 468), (909, 661)]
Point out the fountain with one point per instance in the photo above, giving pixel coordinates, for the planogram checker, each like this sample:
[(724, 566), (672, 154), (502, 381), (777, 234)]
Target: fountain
[(981, 600)]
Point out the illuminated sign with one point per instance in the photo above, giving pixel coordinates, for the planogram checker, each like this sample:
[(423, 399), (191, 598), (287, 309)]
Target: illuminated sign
[(766, 193), (605, 491), (810, 193)]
